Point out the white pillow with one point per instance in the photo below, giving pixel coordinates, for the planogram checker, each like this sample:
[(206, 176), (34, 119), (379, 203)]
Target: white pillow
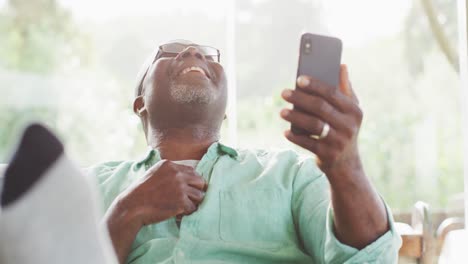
[(2, 170)]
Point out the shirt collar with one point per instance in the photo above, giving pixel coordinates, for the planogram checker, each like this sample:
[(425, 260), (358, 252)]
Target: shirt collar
[(215, 150)]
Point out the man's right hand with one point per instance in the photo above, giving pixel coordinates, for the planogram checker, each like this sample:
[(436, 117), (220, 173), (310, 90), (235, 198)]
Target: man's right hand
[(166, 190)]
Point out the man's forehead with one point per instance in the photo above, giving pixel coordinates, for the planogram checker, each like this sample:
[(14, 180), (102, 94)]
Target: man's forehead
[(182, 41), (179, 42)]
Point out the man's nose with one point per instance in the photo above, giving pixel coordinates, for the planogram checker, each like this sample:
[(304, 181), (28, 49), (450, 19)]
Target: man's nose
[(191, 51)]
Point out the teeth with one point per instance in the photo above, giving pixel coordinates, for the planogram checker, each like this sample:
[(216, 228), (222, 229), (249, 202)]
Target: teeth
[(193, 68)]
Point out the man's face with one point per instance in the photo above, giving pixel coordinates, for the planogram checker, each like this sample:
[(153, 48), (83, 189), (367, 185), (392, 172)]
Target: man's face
[(187, 86)]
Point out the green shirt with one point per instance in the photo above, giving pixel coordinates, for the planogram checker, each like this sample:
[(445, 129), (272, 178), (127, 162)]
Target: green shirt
[(260, 207)]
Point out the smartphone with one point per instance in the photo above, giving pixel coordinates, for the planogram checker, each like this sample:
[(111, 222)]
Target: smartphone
[(320, 58)]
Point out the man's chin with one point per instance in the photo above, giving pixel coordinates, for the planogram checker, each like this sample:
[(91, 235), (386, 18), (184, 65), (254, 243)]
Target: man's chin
[(192, 93)]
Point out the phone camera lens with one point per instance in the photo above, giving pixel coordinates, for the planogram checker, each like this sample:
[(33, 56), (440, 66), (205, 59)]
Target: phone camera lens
[(307, 47)]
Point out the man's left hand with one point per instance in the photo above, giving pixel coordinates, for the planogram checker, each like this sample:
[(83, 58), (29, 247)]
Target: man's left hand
[(321, 104), (352, 194)]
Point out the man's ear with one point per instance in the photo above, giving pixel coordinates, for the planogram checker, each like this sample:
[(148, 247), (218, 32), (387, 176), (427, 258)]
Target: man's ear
[(139, 105)]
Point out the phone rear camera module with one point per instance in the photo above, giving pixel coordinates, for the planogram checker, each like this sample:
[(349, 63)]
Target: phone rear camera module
[(307, 47)]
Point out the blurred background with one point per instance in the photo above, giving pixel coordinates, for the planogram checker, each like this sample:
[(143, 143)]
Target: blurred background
[(72, 65)]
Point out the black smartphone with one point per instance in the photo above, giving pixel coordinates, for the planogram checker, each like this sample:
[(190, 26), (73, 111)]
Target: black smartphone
[(320, 58)]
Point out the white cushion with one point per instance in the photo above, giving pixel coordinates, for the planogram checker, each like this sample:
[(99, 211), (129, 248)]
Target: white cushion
[(2, 169)]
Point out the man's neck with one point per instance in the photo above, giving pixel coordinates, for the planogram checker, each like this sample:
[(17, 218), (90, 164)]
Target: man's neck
[(181, 144)]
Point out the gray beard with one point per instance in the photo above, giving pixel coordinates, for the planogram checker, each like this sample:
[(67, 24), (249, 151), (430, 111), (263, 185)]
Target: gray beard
[(191, 94)]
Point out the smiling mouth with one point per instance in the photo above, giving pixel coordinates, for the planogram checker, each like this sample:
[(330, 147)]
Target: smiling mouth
[(193, 69)]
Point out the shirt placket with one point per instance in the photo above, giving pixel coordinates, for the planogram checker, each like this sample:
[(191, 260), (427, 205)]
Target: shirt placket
[(189, 224)]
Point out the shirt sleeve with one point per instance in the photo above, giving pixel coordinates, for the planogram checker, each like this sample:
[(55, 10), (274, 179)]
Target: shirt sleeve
[(99, 175), (314, 220)]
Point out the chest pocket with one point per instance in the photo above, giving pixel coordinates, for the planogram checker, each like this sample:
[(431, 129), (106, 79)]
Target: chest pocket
[(255, 217)]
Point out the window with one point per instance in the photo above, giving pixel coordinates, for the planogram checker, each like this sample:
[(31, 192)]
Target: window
[(72, 64)]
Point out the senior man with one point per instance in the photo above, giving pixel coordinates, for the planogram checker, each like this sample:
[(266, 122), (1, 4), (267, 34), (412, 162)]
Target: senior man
[(191, 199)]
